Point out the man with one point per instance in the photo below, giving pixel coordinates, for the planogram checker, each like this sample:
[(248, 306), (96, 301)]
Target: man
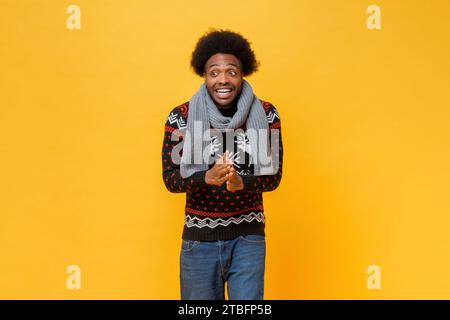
[(223, 149)]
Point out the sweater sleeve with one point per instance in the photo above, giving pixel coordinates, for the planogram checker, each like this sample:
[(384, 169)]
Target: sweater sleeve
[(265, 183), (171, 171)]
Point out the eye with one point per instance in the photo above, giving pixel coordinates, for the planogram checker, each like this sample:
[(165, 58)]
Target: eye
[(233, 73), (213, 73)]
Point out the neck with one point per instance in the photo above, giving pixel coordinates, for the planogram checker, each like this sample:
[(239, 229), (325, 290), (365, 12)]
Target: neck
[(227, 107)]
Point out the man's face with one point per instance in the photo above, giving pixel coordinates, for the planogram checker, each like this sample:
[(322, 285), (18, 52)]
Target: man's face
[(223, 79)]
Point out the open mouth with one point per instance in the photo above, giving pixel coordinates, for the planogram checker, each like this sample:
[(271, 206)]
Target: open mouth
[(224, 93)]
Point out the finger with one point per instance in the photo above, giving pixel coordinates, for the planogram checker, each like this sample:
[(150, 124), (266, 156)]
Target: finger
[(223, 170), (219, 164), (220, 160), (222, 174), (227, 157), (220, 169), (222, 180), (224, 158), (232, 177), (230, 187)]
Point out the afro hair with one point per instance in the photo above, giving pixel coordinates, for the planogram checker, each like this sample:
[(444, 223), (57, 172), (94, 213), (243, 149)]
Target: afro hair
[(223, 41)]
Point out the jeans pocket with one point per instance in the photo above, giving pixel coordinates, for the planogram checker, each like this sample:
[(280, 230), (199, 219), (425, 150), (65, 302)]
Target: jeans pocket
[(188, 245), (253, 238)]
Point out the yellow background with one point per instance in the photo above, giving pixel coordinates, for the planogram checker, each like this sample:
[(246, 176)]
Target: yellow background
[(365, 117)]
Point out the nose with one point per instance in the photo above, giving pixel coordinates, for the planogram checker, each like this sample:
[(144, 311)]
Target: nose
[(222, 78)]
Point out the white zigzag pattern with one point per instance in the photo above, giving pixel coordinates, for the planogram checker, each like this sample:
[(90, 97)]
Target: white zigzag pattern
[(272, 116), (212, 223), (173, 118)]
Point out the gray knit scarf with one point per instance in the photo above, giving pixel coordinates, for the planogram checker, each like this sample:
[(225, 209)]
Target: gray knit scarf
[(203, 112)]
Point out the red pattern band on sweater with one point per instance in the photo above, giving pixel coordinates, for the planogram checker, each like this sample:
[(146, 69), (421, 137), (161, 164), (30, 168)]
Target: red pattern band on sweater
[(221, 214), (171, 129), (276, 125)]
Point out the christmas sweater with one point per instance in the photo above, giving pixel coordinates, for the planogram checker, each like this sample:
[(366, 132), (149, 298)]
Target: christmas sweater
[(212, 212)]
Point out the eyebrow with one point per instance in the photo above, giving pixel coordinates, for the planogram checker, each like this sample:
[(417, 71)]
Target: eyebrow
[(229, 64)]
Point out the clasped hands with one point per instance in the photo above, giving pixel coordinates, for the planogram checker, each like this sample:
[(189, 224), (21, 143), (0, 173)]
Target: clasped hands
[(223, 171)]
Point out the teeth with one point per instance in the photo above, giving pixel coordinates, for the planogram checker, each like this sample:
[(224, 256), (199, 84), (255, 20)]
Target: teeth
[(224, 90)]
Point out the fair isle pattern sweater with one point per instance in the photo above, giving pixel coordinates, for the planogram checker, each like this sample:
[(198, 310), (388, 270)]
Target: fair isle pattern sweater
[(212, 212)]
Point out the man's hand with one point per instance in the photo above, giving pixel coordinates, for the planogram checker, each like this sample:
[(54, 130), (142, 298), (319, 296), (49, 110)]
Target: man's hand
[(219, 173), (223, 170), (234, 181)]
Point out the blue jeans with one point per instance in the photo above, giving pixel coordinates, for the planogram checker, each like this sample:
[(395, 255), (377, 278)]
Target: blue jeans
[(206, 266)]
